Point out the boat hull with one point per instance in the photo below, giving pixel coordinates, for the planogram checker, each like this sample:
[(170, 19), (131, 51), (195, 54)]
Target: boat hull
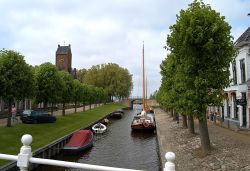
[(76, 150), (142, 124), (80, 141), (142, 128), (116, 115)]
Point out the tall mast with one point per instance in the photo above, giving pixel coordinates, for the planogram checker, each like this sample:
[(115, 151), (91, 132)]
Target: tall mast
[(143, 79), (146, 97)]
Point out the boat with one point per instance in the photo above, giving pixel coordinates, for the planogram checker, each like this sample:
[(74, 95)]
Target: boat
[(79, 141), (99, 128), (116, 114), (143, 121), (105, 121)]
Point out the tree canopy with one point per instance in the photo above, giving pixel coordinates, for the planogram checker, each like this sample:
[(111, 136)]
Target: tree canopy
[(16, 78), (197, 70), (117, 81), (48, 84)]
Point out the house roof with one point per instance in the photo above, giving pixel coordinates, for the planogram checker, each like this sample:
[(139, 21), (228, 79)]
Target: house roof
[(63, 50), (243, 39)]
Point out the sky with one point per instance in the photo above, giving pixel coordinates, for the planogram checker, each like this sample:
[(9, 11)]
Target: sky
[(110, 31)]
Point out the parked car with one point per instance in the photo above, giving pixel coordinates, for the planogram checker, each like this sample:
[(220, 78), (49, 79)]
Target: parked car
[(37, 116)]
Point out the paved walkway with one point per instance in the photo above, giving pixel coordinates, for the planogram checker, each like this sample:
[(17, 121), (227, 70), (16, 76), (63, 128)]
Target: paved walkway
[(230, 149)]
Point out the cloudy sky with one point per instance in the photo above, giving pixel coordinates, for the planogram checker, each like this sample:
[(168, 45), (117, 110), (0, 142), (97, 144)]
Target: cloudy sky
[(103, 31)]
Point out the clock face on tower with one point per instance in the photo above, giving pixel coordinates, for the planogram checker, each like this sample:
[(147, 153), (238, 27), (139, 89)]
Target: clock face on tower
[(61, 59)]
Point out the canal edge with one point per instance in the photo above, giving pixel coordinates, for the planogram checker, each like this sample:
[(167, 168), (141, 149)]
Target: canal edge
[(161, 135), (51, 149)]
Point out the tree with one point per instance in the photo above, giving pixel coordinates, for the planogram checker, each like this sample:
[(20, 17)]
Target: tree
[(202, 44), (80, 75), (48, 85), (66, 88), (16, 78), (85, 94), (77, 93), (112, 78), (91, 95)]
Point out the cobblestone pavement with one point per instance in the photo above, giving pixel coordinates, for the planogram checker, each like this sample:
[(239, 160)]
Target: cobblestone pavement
[(230, 149)]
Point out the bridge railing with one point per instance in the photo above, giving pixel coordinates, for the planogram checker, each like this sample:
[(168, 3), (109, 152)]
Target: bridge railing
[(24, 158)]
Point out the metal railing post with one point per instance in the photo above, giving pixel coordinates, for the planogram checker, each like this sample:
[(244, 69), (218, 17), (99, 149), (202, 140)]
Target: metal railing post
[(25, 153), (169, 165)]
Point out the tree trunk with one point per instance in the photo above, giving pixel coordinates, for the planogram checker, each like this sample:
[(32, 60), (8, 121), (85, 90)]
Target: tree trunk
[(90, 106), (172, 112), (75, 106), (204, 135), (191, 124), (175, 116), (63, 110), (9, 113), (52, 109), (184, 121), (83, 107)]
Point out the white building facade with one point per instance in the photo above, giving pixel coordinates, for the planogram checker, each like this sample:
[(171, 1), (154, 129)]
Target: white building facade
[(236, 105)]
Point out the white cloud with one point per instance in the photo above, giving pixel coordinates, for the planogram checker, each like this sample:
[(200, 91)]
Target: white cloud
[(103, 32)]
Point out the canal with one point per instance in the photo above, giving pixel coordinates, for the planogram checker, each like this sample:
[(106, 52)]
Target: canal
[(118, 147)]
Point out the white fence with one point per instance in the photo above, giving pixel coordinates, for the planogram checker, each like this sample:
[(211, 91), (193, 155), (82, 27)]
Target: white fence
[(25, 157)]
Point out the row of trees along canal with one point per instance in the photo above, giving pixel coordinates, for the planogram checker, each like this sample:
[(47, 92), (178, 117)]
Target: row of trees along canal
[(45, 84), (196, 70)]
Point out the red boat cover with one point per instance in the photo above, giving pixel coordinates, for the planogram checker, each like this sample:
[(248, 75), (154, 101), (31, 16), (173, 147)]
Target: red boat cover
[(79, 138)]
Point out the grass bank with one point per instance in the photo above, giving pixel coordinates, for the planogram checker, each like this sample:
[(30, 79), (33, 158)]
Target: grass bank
[(43, 134)]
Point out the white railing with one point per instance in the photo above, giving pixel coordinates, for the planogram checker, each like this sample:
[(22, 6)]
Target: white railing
[(25, 157)]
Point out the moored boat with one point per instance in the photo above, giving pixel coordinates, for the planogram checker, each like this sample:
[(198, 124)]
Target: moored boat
[(116, 114), (105, 121), (99, 128), (79, 141), (143, 122)]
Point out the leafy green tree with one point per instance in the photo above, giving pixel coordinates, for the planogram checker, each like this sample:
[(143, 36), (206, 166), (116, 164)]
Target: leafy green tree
[(114, 79), (85, 94), (66, 88), (48, 85), (80, 75), (203, 47), (77, 93), (16, 78), (91, 95)]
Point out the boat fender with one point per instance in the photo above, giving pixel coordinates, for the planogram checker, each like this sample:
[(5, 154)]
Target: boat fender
[(146, 123)]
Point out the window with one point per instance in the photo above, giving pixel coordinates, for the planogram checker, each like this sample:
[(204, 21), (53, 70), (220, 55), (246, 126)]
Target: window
[(242, 71), (234, 72)]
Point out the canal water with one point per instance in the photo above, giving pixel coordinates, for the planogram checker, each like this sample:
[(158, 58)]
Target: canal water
[(118, 147)]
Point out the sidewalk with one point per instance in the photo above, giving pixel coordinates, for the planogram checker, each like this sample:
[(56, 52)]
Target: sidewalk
[(230, 149), (3, 122)]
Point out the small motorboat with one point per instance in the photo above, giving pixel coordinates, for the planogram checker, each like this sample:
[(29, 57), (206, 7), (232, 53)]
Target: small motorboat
[(105, 121), (99, 128), (117, 114), (79, 141)]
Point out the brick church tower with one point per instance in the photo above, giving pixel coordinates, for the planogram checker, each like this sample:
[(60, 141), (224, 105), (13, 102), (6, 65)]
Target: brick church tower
[(64, 58)]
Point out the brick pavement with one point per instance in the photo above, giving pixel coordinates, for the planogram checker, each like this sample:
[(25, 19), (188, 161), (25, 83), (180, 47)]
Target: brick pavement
[(230, 149)]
